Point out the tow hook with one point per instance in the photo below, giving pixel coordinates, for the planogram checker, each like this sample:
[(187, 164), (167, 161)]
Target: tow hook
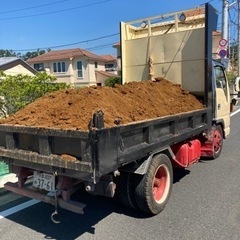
[(55, 213)]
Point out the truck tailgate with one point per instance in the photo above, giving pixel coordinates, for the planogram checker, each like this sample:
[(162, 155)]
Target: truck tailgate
[(48, 150)]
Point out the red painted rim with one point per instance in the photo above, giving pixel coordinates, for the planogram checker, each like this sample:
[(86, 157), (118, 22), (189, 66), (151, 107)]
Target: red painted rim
[(161, 184), (218, 141)]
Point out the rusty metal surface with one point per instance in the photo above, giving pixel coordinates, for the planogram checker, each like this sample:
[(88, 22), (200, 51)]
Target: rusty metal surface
[(68, 205)]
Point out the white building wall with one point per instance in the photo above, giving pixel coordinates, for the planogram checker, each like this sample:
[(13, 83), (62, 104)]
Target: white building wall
[(71, 76), (19, 69), (216, 39), (92, 76), (80, 81), (101, 67)]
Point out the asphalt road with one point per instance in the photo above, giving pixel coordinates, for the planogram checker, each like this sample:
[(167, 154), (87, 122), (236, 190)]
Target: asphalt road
[(205, 204)]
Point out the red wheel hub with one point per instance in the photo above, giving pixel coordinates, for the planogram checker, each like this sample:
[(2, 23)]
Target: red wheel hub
[(217, 142), (160, 183)]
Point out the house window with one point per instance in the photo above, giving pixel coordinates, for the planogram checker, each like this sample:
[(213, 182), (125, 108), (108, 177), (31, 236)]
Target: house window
[(39, 66), (96, 65), (109, 67), (79, 69), (59, 67)]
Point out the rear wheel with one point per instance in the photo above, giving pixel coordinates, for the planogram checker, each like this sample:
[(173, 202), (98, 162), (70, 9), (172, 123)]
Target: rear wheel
[(217, 141), (125, 190), (154, 189)]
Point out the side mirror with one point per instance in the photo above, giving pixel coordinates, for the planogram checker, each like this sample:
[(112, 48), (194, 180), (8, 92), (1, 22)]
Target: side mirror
[(236, 85), (234, 101)]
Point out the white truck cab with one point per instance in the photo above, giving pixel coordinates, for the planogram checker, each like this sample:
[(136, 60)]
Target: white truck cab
[(222, 97), (237, 85)]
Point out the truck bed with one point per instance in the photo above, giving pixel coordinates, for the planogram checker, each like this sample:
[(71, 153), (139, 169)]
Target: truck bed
[(87, 155)]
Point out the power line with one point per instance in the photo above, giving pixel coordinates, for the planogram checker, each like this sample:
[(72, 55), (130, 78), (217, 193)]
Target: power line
[(37, 6), (63, 10), (233, 22), (100, 46), (70, 44), (232, 30)]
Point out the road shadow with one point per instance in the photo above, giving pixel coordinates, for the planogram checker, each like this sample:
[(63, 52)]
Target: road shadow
[(73, 225), (206, 159), (9, 199), (179, 173)]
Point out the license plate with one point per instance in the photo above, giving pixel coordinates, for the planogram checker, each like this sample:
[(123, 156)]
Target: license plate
[(44, 181)]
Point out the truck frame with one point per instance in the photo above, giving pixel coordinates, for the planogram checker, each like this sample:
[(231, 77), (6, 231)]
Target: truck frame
[(133, 162)]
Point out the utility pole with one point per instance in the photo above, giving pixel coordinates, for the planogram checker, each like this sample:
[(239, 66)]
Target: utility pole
[(225, 19), (229, 33), (225, 23)]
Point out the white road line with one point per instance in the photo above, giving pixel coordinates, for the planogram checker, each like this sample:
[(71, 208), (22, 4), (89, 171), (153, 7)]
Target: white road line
[(235, 112), (18, 208), (32, 202)]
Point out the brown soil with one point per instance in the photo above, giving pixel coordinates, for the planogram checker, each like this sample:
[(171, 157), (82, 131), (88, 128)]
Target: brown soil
[(136, 101)]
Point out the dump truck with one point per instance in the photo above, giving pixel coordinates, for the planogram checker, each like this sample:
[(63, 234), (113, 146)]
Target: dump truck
[(133, 161)]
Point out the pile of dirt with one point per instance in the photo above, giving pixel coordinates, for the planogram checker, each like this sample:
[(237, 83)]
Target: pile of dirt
[(135, 101)]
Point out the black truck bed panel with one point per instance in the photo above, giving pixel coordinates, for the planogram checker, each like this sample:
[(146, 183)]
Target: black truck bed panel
[(88, 155), (151, 136)]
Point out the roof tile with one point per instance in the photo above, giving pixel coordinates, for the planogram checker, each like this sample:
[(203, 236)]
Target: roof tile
[(66, 54), (109, 58)]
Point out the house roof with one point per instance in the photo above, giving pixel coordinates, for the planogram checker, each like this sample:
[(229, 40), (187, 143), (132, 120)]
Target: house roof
[(65, 54), (117, 44), (9, 62), (109, 58), (195, 12), (6, 60), (216, 33)]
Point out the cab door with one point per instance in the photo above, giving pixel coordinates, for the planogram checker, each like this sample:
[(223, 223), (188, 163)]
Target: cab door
[(222, 97)]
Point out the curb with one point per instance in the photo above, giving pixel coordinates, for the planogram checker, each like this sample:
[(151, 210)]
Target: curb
[(9, 177)]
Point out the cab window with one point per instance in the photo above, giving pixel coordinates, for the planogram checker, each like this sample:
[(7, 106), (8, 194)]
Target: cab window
[(221, 79)]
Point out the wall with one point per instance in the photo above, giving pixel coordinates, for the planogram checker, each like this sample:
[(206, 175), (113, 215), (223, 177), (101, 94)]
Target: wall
[(178, 57), (19, 69), (61, 77), (92, 73), (216, 39), (70, 76)]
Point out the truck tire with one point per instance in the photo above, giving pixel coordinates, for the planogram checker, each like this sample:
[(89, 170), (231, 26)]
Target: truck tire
[(217, 142), (154, 189), (125, 190)]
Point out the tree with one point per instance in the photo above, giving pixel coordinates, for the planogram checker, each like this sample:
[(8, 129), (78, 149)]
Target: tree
[(29, 55), (26, 56), (7, 53), (110, 82), (233, 54), (18, 91)]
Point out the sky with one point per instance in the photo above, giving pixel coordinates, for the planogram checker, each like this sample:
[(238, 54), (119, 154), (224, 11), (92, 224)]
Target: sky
[(27, 25)]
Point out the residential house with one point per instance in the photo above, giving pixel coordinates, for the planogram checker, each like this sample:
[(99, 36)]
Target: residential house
[(103, 75), (77, 67), (110, 64), (12, 66), (216, 38), (15, 66), (117, 46)]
